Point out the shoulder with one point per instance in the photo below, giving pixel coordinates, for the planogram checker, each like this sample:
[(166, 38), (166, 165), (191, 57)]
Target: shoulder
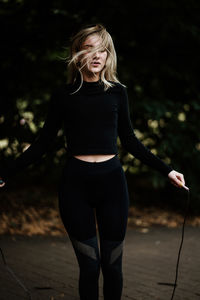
[(118, 87), (120, 90)]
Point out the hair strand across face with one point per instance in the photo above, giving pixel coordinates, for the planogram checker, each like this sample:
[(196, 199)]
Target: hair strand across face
[(75, 64)]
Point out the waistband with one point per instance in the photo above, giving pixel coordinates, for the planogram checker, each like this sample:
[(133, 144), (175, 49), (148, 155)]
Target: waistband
[(77, 166)]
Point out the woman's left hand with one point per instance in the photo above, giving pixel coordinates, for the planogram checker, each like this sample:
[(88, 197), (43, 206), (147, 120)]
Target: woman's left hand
[(176, 178)]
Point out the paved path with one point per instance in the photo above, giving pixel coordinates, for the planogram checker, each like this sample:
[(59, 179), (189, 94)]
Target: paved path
[(48, 267)]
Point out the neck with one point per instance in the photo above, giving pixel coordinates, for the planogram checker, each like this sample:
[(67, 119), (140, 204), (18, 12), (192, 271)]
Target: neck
[(91, 78)]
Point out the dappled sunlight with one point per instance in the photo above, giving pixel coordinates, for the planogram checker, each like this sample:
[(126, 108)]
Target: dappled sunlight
[(2, 119), (4, 143), (21, 104), (181, 117), (198, 146), (152, 123)]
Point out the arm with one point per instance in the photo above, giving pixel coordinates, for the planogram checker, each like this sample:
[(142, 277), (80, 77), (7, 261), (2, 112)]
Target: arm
[(43, 142), (132, 144)]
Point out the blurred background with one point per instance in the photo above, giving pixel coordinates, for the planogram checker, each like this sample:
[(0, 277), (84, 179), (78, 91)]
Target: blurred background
[(158, 46)]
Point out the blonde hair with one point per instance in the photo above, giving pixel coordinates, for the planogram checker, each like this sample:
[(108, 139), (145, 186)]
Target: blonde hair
[(75, 64)]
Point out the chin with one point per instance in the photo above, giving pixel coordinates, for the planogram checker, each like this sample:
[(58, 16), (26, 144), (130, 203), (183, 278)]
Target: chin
[(95, 70)]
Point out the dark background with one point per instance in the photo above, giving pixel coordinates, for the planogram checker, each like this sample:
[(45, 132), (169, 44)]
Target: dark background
[(157, 45)]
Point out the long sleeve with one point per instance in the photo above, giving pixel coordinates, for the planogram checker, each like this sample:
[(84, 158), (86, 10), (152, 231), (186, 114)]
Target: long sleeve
[(132, 144), (43, 142)]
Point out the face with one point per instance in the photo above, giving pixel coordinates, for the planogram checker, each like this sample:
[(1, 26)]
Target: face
[(95, 61)]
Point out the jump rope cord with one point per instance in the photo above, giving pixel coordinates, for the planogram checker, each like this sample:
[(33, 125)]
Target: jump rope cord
[(181, 244), (177, 265)]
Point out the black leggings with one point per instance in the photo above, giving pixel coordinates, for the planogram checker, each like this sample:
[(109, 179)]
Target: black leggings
[(90, 192)]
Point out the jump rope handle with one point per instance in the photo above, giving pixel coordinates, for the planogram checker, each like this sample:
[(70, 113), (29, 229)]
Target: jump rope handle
[(185, 187)]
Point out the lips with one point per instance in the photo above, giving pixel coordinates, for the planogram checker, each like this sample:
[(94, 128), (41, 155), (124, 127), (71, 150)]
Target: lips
[(95, 63)]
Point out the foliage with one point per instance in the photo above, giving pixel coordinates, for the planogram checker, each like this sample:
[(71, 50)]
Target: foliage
[(158, 47)]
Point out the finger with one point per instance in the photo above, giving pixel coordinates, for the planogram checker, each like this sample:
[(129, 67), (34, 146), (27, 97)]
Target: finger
[(179, 181), (182, 178), (175, 184)]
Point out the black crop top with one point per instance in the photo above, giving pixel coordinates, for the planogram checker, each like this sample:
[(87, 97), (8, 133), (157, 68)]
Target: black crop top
[(92, 119)]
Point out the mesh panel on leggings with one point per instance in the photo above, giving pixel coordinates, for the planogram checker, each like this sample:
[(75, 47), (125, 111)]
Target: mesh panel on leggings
[(116, 252), (85, 249)]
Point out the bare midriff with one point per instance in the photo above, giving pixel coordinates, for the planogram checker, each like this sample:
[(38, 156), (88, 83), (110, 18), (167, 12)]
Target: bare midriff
[(95, 157)]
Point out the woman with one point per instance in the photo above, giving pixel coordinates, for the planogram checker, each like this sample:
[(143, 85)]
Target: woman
[(94, 109)]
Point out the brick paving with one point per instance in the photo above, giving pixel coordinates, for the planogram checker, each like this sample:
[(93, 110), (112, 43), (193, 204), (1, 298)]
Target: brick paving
[(47, 266)]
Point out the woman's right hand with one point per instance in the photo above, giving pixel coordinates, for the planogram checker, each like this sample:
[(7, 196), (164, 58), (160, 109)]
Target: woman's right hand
[(2, 183)]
